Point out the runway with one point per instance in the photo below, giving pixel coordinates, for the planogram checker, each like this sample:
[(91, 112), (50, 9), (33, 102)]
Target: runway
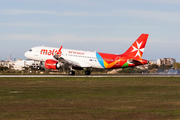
[(142, 75)]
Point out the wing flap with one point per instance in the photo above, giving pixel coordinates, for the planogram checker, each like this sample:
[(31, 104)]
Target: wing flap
[(72, 63)]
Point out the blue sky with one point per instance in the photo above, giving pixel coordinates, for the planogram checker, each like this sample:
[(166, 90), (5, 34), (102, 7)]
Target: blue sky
[(109, 26)]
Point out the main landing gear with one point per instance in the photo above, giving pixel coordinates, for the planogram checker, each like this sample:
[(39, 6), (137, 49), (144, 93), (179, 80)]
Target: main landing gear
[(71, 72), (87, 72)]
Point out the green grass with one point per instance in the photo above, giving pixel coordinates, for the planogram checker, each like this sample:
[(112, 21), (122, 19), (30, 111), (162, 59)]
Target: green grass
[(90, 98)]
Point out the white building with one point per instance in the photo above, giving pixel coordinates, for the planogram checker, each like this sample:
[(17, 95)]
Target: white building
[(20, 64), (166, 61)]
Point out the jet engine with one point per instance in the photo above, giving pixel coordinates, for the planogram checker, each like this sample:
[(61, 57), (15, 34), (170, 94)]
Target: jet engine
[(52, 64)]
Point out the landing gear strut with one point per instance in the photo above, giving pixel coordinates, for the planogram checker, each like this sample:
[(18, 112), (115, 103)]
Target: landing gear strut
[(71, 72)]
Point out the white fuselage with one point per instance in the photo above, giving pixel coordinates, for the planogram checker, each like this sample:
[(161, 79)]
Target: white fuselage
[(85, 59)]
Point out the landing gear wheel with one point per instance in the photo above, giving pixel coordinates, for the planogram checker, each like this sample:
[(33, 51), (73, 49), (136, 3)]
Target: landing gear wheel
[(71, 72), (87, 72)]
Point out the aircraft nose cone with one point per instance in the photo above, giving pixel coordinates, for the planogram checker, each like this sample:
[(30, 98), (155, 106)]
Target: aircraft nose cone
[(26, 54)]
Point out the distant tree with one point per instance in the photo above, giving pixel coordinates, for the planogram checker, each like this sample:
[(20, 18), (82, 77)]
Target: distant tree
[(176, 65), (162, 68), (126, 70), (165, 67), (3, 68), (153, 66), (132, 70)]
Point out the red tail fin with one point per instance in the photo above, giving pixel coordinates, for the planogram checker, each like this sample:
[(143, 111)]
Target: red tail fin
[(137, 48)]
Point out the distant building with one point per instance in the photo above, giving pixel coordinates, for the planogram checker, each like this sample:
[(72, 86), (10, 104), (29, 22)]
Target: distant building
[(143, 67), (152, 62), (6, 63), (166, 61), (20, 64)]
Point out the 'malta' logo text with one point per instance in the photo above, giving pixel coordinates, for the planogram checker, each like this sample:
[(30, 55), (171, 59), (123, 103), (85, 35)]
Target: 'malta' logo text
[(50, 52)]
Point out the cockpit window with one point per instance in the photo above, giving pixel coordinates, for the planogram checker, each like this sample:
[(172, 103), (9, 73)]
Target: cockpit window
[(30, 50)]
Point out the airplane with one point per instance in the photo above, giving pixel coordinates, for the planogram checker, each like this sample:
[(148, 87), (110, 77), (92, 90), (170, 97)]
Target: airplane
[(55, 58)]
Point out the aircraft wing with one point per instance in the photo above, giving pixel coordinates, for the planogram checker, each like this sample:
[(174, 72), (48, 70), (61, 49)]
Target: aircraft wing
[(71, 63)]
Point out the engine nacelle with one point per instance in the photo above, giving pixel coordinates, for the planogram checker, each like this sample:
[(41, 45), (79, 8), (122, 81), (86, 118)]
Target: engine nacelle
[(52, 64)]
